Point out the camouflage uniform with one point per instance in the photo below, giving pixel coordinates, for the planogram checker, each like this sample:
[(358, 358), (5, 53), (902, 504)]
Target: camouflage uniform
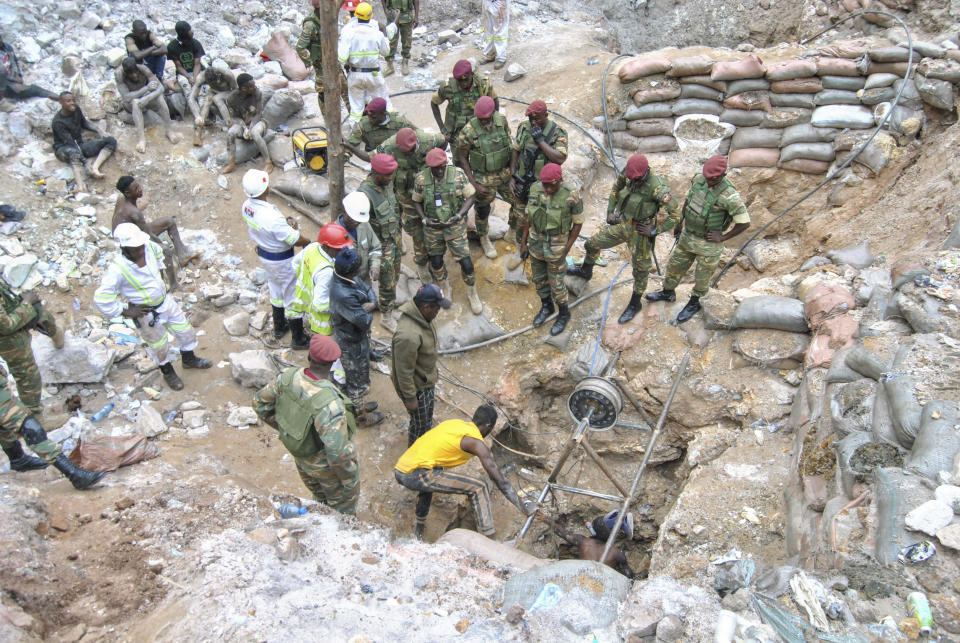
[(637, 203), (385, 221), (550, 220), (16, 320), (400, 12), (527, 173), (442, 227), (308, 48), (373, 135), (488, 152), (460, 104), (705, 209), (316, 423), (408, 165)]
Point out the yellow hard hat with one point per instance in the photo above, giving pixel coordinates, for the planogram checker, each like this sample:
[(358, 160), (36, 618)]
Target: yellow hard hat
[(364, 11)]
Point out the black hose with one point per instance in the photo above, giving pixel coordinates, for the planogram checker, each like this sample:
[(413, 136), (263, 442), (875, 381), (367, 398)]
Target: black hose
[(606, 117), (845, 164)]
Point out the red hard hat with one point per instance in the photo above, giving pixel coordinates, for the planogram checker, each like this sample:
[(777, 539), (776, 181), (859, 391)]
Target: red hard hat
[(350, 5), (335, 236)]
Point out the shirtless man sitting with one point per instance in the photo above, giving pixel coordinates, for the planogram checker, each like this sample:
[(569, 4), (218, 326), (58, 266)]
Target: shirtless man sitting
[(127, 211), (591, 547), (140, 90), (221, 82)]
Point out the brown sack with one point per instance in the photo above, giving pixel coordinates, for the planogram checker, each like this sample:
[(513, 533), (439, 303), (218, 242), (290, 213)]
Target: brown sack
[(668, 90), (749, 101), (690, 66), (111, 453), (948, 70), (845, 49), (749, 67), (831, 336), (277, 48), (900, 69), (641, 66), (790, 69), (754, 157), (651, 127), (797, 86), (837, 67), (705, 80), (807, 166)]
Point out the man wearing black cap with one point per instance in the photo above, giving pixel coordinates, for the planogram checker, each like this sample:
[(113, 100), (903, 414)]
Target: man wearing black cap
[(414, 367)]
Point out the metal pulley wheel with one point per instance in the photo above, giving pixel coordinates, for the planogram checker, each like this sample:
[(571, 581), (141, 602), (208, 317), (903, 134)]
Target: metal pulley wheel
[(599, 395)]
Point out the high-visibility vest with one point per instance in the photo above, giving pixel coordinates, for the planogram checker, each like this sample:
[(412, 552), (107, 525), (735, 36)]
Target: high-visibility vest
[(313, 259)]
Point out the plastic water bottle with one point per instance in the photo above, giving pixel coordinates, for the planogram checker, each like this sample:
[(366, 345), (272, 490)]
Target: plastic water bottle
[(291, 510), (919, 608), (102, 413)]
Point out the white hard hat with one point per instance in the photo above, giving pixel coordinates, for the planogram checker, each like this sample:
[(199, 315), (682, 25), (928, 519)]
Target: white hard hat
[(357, 205), (255, 183), (128, 235)]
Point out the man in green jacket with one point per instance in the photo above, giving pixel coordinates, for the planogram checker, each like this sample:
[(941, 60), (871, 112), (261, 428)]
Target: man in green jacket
[(308, 48), (375, 126), (414, 355)]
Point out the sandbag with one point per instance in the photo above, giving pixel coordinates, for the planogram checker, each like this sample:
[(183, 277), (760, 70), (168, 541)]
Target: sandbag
[(754, 157), (696, 106), (668, 91), (843, 49), (875, 155), (806, 166), (890, 54), (925, 49), (827, 300), (724, 147), (876, 95), (839, 372), (741, 117), (746, 85), (851, 407), (836, 97), (496, 553), (749, 67), (625, 141), (690, 66), (311, 188), (769, 311), (830, 336), (650, 144), (837, 67), (905, 411), (790, 69), (846, 448), (858, 256), (940, 69), (688, 90), (706, 81), (849, 139), (865, 362), (880, 80), (882, 427), (814, 151), (953, 54), (792, 100), (749, 101), (847, 83), (785, 117), (765, 347), (796, 86), (247, 150), (903, 120), (652, 110), (651, 126), (282, 105), (900, 69), (641, 66), (853, 116), (279, 49), (807, 134), (936, 93), (938, 442), (910, 96), (746, 137), (111, 453)]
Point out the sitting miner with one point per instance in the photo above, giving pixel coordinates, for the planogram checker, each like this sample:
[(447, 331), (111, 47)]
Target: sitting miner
[(246, 111), (11, 78), (591, 547), (220, 81), (140, 91), (68, 144)]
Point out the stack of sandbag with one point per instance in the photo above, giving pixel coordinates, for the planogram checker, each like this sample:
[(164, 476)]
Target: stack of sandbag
[(827, 308), (649, 121)]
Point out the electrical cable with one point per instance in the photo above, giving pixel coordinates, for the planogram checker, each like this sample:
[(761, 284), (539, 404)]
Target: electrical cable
[(603, 318)]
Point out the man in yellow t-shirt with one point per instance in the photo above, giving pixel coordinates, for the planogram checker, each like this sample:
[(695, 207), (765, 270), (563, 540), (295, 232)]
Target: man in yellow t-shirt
[(425, 467)]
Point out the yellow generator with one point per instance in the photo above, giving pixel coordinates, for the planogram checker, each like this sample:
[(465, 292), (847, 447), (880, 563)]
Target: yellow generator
[(310, 148)]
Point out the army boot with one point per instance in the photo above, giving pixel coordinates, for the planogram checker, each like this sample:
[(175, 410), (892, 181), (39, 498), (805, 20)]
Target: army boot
[(20, 461), (476, 306), (691, 309), (371, 418), (170, 377), (584, 271), (636, 303), (663, 295), (388, 68), (563, 316), (33, 434), (405, 67), (190, 360), (546, 309), (488, 248), (298, 338), (280, 325)]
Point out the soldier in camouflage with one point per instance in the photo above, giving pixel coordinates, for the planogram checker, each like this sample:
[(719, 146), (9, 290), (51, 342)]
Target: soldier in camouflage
[(554, 219), (460, 93), (375, 126), (316, 424), (385, 221), (636, 197), (485, 149), (406, 15), (409, 148), (712, 204), (539, 141), (443, 197), (308, 48)]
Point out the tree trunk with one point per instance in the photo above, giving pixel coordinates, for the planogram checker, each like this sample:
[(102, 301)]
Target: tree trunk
[(329, 34)]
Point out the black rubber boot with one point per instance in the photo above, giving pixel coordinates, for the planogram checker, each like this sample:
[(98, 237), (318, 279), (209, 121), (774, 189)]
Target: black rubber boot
[(691, 309), (636, 303), (280, 325), (563, 316), (584, 271), (190, 360), (370, 418), (20, 461), (663, 295), (298, 339), (79, 478), (546, 309), (170, 377)]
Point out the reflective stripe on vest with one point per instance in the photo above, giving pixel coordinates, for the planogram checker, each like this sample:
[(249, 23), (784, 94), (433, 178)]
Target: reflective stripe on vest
[(549, 215), (636, 202), (700, 215), (448, 195), (313, 259), (494, 146), (147, 300)]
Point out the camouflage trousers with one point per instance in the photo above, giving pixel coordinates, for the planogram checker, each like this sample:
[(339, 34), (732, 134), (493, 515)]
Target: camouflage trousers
[(640, 250), (16, 352), (496, 183), (318, 86), (12, 416), (413, 225), (334, 485), (404, 32), (389, 236), (517, 217), (690, 249), (548, 262), (438, 240), (355, 359)]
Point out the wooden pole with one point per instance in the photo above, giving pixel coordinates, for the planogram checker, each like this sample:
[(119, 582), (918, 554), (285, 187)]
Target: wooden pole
[(329, 35)]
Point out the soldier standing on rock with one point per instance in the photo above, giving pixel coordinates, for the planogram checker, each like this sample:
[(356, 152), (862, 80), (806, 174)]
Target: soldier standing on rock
[(636, 197), (712, 204), (310, 52), (316, 424)]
